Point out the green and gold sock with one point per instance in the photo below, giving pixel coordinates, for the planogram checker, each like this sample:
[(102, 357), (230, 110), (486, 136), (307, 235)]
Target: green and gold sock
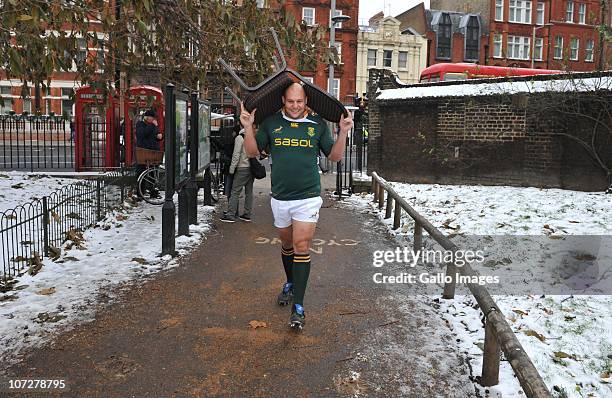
[(301, 271), (287, 256)]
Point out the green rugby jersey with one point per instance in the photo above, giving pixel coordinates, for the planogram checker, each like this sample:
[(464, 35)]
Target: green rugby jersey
[(294, 146)]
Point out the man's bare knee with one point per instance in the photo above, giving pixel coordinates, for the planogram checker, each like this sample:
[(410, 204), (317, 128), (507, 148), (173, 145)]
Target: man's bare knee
[(286, 237), (301, 246)]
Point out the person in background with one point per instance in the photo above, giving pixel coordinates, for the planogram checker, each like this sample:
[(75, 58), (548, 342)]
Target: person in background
[(240, 169), (147, 137)]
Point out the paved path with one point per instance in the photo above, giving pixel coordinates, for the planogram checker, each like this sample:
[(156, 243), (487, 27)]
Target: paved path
[(186, 333)]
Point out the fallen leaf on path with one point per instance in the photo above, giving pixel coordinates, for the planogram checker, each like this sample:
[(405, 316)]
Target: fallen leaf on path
[(46, 292), (535, 334), (257, 324)]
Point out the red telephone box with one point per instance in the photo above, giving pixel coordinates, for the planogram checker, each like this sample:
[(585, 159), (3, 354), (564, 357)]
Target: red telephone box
[(138, 100), (96, 128)]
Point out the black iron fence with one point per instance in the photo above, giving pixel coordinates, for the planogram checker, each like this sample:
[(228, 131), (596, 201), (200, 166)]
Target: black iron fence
[(355, 158), (36, 142), (39, 228)]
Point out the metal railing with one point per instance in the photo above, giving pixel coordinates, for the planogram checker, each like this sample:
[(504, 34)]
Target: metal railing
[(39, 228), (354, 160), (33, 142), (498, 334)]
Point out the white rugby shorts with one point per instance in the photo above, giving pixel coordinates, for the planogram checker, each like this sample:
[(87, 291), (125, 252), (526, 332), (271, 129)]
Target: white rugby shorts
[(305, 210)]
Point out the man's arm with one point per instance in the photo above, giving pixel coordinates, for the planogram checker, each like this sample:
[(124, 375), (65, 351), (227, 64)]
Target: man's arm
[(250, 144), (337, 151)]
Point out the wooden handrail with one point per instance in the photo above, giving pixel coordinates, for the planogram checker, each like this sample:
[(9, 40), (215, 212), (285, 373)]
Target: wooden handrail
[(498, 334)]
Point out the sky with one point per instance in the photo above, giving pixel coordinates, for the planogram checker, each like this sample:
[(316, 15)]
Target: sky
[(368, 8)]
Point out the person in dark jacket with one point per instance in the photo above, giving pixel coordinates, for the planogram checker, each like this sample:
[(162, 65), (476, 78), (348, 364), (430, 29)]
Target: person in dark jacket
[(148, 137), (147, 132)]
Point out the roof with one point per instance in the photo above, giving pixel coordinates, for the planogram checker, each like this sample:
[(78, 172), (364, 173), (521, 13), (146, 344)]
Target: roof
[(459, 20)]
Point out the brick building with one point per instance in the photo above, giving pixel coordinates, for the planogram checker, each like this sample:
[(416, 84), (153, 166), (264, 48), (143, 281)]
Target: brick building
[(452, 36), (318, 12), (513, 137), (565, 34)]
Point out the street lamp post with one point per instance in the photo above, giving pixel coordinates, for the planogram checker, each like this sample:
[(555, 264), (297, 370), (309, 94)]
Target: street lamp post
[(332, 43), (533, 38)]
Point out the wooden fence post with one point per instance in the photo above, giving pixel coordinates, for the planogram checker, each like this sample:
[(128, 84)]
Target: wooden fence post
[(389, 208), (381, 196), (398, 215), (490, 360), (449, 287), (375, 189), (418, 236)]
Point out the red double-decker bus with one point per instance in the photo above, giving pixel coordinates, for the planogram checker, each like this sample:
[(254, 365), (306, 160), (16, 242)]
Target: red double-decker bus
[(461, 71)]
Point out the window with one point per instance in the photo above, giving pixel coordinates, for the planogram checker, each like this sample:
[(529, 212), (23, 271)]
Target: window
[(387, 58), (338, 24), (582, 13), (309, 79), (499, 10), (518, 47), (558, 47), (308, 15), (569, 12), (27, 105), (6, 105), (339, 50), (497, 46), (372, 57), (5, 90), (537, 51), (261, 3), (590, 45), (82, 50), (444, 37), (67, 92), (540, 13), (520, 11), (335, 91), (472, 41), (402, 60), (574, 47)]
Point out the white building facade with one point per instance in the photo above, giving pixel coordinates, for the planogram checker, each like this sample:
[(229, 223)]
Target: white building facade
[(382, 45)]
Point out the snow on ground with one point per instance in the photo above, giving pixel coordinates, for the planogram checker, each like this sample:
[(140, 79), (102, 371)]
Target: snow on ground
[(124, 247), (17, 187), (568, 338)]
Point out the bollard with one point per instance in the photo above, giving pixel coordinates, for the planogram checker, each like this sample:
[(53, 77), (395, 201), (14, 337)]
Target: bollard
[(183, 213), (208, 188)]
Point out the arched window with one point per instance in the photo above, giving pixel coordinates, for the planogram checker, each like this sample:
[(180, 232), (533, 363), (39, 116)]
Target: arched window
[(472, 39), (444, 36)]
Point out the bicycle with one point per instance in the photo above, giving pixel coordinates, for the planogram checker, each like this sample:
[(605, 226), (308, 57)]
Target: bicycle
[(152, 181)]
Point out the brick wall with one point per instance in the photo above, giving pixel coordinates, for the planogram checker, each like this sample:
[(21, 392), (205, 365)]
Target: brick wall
[(491, 140)]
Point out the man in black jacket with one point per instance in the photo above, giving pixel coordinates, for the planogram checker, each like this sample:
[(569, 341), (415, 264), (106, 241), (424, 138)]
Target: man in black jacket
[(148, 137), (147, 132)]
